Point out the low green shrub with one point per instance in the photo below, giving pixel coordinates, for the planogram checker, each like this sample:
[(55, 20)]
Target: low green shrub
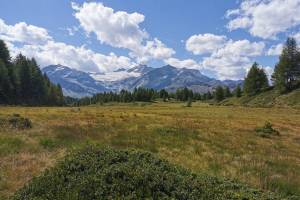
[(101, 173), (20, 122), (267, 130)]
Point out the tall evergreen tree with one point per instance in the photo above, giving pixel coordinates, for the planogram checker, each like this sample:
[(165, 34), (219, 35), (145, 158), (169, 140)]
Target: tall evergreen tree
[(8, 73), (25, 78), (255, 81), (227, 92), (219, 93), (238, 91), (286, 74), (4, 84), (22, 82), (4, 53)]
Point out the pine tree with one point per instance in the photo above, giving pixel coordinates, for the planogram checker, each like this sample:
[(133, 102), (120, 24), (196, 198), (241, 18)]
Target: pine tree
[(189, 102), (227, 92), (255, 81), (163, 94), (4, 84), (4, 53), (25, 78), (209, 95), (22, 82), (219, 94), (286, 74), (238, 91), (7, 74)]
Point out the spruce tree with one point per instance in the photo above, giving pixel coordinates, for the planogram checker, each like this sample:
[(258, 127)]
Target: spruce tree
[(255, 81), (189, 102), (22, 82), (4, 84), (209, 95), (286, 74), (219, 94), (25, 78), (238, 91), (227, 92), (4, 53), (7, 74)]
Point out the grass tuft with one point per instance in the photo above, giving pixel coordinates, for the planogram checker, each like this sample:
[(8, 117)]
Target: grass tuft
[(267, 130)]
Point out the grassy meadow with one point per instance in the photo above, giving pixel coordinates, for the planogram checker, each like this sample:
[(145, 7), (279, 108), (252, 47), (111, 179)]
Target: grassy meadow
[(217, 140)]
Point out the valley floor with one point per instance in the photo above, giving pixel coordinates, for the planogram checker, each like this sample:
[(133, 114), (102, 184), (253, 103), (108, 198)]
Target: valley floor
[(213, 139)]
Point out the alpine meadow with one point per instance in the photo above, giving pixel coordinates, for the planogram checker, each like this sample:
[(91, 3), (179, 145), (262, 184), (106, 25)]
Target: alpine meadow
[(150, 100)]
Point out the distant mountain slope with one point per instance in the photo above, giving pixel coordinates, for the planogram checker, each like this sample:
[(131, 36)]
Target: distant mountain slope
[(77, 83), (74, 83), (267, 99)]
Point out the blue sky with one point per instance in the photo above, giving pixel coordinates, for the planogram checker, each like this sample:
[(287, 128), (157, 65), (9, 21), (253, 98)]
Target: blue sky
[(220, 38)]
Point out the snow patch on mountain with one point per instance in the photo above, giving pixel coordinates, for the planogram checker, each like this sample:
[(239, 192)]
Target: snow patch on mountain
[(114, 76)]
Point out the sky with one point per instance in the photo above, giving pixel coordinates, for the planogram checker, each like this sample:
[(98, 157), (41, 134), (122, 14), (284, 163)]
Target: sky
[(222, 39)]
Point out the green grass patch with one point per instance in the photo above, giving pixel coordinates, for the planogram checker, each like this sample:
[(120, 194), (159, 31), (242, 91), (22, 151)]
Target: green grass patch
[(49, 143), (10, 145), (267, 130)]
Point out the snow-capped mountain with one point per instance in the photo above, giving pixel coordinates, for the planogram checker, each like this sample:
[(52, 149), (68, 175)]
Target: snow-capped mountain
[(77, 83)]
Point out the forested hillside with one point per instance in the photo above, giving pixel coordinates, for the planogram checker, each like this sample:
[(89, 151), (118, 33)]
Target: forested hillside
[(23, 83), (267, 98), (285, 82)]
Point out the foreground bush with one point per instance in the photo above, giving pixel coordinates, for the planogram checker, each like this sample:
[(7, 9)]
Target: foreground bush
[(96, 173), (16, 122), (267, 130)]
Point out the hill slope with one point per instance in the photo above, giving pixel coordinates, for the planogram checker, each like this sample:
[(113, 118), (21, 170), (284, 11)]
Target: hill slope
[(267, 99), (96, 173)]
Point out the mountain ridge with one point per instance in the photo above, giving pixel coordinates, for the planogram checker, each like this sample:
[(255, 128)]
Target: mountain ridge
[(76, 83)]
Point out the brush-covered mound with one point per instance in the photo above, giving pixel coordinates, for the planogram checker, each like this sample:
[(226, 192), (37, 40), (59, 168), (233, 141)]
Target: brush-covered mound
[(97, 173), (268, 98)]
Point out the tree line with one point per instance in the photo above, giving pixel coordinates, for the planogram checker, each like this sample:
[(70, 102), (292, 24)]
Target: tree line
[(148, 95), (23, 83)]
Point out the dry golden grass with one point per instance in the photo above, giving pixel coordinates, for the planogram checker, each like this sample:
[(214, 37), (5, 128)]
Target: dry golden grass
[(216, 140)]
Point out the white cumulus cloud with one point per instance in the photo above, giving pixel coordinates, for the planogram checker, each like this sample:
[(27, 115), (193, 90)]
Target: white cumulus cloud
[(233, 59), (22, 32), (121, 30), (228, 59), (152, 50), (33, 41), (187, 63), (297, 37), (118, 29), (265, 18), (204, 43), (275, 50), (76, 57)]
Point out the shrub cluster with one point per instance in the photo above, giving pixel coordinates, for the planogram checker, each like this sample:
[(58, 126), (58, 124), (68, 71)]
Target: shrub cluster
[(16, 122), (97, 173), (267, 130)]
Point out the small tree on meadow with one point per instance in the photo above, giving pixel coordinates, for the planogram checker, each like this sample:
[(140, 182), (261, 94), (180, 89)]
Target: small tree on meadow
[(219, 94), (238, 91), (189, 102), (255, 81), (286, 74), (227, 92)]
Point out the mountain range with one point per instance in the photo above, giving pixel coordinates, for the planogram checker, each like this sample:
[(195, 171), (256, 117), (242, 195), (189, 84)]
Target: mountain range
[(77, 83)]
